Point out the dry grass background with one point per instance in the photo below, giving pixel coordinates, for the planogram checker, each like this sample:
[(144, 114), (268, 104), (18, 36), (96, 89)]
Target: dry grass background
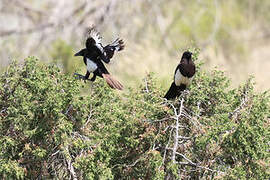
[(232, 35)]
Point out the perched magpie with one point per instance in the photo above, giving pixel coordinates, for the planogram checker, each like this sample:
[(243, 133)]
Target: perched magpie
[(95, 53), (182, 77)]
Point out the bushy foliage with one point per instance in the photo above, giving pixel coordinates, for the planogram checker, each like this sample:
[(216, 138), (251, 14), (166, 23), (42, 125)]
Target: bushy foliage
[(51, 129)]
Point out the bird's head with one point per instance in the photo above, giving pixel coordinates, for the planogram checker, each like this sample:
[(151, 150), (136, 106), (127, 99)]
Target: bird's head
[(90, 42), (187, 55)]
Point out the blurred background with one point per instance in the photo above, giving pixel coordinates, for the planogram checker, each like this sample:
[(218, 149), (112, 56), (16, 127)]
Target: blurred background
[(232, 35)]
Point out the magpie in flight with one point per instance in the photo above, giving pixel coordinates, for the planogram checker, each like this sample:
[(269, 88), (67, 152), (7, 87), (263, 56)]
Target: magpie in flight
[(182, 77), (95, 53)]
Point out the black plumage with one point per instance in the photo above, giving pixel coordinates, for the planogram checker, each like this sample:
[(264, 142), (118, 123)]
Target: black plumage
[(116, 45), (183, 75), (95, 53)]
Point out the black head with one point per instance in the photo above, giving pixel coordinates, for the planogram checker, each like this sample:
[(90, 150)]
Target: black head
[(90, 42), (187, 55)]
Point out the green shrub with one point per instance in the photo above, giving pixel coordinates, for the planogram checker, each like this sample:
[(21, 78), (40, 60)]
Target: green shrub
[(50, 129)]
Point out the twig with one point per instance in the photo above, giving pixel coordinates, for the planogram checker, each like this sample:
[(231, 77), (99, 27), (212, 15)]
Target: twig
[(88, 119), (55, 153), (71, 169), (244, 100), (159, 120), (165, 152), (146, 85), (190, 163), (70, 166), (176, 137), (183, 156), (67, 111), (129, 165)]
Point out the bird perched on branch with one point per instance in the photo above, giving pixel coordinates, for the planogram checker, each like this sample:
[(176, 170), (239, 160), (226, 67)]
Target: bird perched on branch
[(182, 77), (95, 53)]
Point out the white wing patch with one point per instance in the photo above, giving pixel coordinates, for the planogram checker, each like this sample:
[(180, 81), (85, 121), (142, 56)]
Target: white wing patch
[(91, 66), (115, 43), (96, 36), (180, 79)]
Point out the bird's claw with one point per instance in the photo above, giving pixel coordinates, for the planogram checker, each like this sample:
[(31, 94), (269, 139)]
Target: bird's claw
[(79, 76)]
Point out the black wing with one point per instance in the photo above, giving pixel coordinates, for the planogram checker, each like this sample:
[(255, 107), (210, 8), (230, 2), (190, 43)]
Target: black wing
[(94, 38), (116, 45)]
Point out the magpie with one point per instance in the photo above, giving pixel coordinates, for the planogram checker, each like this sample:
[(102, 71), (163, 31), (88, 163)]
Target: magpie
[(95, 53), (183, 76)]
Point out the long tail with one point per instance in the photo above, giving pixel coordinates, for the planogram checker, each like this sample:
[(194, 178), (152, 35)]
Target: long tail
[(113, 83), (174, 91)]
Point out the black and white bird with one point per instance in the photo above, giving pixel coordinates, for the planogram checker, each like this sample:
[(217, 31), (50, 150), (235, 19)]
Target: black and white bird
[(95, 53), (182, 77)]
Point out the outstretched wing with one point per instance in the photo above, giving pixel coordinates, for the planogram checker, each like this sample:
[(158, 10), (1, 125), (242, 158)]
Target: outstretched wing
[(95, 35), (116, 45)]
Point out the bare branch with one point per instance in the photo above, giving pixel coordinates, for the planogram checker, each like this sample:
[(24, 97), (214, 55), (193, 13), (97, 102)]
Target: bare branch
[(129, 165), (176, 137), (167, 146), (244, 101), (71, 170), (89, 118), (146, 85)]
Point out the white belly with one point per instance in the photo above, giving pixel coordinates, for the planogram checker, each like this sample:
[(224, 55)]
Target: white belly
[(180, 79), (91, 66)]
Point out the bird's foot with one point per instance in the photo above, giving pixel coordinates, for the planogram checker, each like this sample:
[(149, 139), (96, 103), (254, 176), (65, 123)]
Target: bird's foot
[(79, 76), (93, 78)]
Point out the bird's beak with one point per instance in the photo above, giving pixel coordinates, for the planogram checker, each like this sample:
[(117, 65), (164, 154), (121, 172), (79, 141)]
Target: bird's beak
[(80, 53), (77, 54)]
